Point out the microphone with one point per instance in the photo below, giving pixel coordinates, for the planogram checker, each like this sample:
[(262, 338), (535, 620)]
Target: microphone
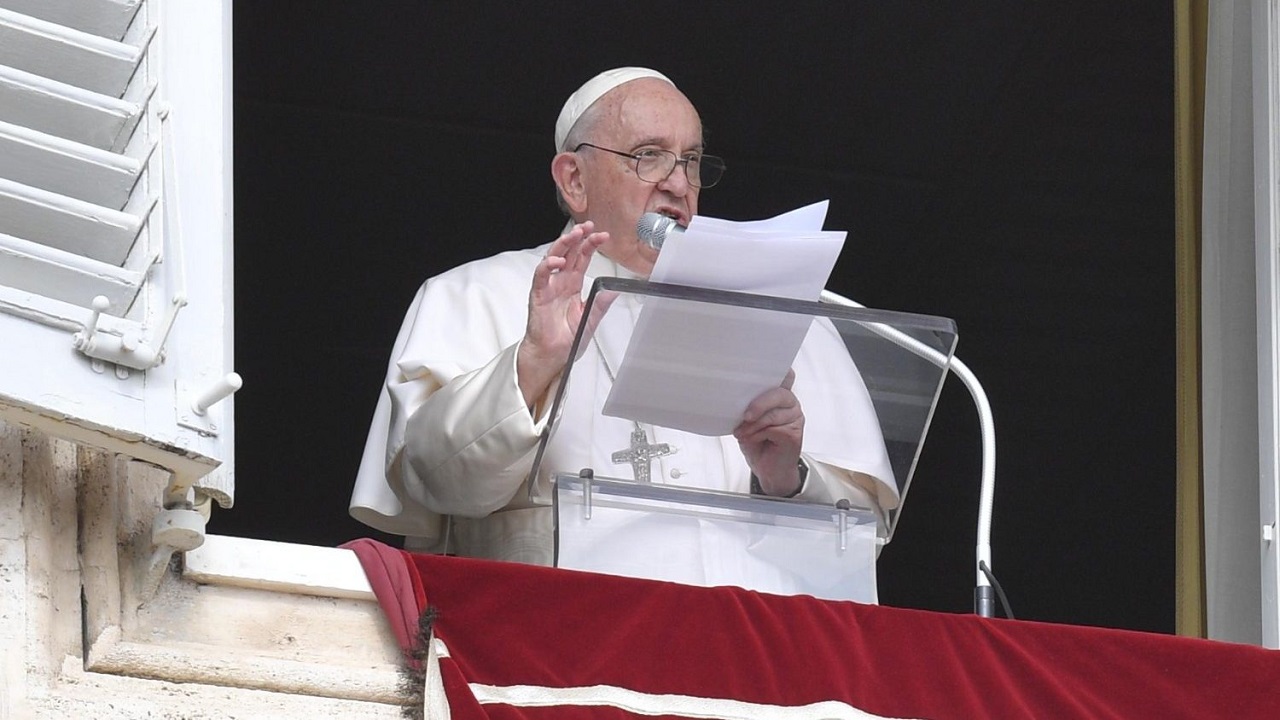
[(654, 229)]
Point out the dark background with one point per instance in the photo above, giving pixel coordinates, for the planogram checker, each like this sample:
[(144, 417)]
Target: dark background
[(1006, 164)]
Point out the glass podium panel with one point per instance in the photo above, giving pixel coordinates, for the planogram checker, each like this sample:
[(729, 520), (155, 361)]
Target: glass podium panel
[(697, 537), (661, 376)]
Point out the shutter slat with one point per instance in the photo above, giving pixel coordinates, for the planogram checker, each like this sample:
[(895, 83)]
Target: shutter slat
[(105, 18), (68, 168), (66, 111), (65, 276), (68, 224), (70, 56)]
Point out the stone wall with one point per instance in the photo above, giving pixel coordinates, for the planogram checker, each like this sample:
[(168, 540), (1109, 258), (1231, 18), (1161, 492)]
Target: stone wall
[(75, 523)]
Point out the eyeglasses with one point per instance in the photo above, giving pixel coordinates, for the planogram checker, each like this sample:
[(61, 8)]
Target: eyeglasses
[(654, 165)]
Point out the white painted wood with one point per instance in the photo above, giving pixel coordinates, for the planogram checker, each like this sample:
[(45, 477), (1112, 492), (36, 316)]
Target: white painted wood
[(68, 224), (98, 409), (67, 111), (66, 55), (58, 315), (277, 566), (64, 276), (105, 18), (193, 47), (1266, 174), (69, 168), (1229, 335), (43, 381)]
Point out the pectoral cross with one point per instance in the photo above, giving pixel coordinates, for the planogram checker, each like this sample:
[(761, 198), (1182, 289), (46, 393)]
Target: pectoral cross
[(641, 454)]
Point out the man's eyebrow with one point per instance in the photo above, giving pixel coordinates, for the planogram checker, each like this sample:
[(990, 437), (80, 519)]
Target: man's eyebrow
[(655, 140), (651, 140)]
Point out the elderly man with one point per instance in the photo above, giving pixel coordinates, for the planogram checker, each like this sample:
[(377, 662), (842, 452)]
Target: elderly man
[(483, 346)]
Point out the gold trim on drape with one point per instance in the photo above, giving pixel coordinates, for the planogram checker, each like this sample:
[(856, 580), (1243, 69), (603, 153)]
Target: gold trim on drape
[(1190, 32)]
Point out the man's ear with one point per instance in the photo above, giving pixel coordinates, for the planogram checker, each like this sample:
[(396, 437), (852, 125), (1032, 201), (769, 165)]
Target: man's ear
[(567, 174)]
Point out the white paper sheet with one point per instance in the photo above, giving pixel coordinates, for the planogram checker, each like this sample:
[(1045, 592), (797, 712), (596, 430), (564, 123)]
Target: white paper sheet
[(696, 366), (787, 256)]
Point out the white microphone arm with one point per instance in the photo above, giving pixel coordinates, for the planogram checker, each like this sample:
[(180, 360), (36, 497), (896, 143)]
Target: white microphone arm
[(983, 598)]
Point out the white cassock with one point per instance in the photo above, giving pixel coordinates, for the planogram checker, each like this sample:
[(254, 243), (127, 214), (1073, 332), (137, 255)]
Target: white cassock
[(451, 435)]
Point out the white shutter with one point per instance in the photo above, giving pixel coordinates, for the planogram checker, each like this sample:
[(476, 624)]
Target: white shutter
[(1265, 46), (115, 183)]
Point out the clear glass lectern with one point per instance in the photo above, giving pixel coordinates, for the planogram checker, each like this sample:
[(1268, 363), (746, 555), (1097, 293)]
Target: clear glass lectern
[(644, 473)]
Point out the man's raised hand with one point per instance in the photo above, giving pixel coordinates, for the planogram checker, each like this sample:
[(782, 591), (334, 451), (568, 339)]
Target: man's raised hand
[(555, 309)]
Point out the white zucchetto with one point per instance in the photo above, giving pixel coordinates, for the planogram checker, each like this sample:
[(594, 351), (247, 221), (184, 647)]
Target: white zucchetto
[(591, 91)]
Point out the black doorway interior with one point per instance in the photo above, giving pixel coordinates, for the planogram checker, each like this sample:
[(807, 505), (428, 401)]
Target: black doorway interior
[(1006, 164)]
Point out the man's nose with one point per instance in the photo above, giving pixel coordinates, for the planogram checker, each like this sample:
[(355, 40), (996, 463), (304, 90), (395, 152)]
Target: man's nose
[(677, 181)]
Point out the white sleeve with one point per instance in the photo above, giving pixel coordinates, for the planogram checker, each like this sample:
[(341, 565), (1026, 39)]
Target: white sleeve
[(469, 447)]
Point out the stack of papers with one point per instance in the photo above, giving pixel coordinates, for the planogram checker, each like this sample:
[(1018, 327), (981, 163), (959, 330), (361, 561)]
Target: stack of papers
[(788, 256), (696, 366)]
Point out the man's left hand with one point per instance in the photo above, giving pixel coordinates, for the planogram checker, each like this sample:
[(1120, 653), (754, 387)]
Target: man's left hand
[(770, 436)]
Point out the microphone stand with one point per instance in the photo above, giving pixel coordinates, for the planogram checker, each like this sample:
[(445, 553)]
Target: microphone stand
[(983, 594)]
